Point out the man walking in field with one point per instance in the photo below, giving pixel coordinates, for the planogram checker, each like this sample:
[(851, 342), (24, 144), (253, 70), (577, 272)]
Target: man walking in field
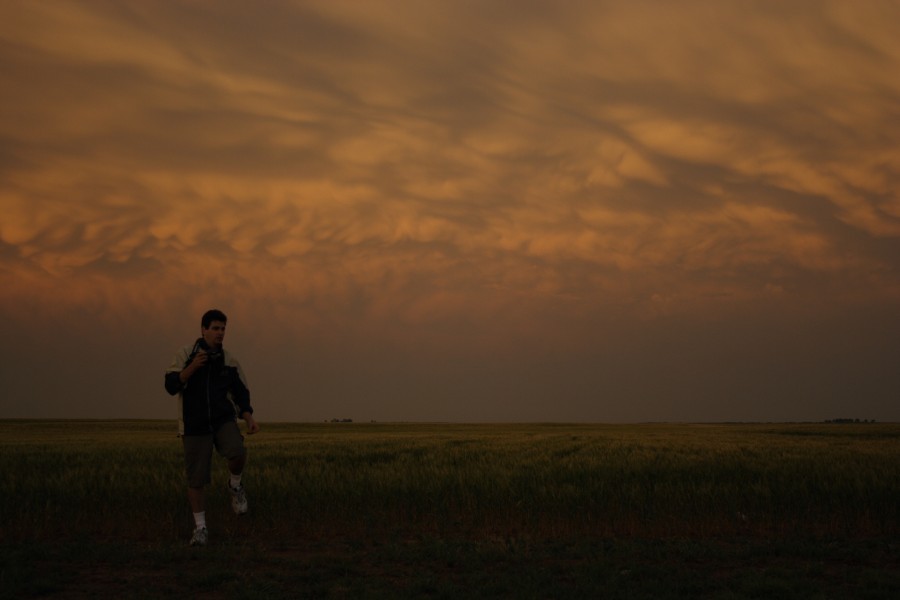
[(212, 393)]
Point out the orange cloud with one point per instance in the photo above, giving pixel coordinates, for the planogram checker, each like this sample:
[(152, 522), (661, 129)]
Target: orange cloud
[(441, 164)]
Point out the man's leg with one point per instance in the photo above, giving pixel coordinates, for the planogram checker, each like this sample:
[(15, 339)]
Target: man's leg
[(197, 499), (238, 497), (197, 456), (230, 444), (236, 465)]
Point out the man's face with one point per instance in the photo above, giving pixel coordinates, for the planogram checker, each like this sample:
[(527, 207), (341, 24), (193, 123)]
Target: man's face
[(214, 334)]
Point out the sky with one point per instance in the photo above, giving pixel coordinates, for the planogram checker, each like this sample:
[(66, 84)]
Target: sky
[(454, 210)]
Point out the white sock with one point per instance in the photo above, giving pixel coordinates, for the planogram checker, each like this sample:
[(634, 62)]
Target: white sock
[(235, 481), (200, 519)]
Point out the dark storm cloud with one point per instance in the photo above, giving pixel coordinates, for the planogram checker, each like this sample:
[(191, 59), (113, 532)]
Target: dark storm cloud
[(509, 198)]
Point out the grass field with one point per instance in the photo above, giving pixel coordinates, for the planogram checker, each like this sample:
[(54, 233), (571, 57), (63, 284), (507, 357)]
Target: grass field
[(98, 508)]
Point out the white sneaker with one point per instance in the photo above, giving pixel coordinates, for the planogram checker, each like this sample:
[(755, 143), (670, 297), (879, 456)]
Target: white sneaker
[(200, 537), (238, 500)]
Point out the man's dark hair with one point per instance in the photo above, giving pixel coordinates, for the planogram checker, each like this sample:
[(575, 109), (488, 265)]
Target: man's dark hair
[(212, 315)]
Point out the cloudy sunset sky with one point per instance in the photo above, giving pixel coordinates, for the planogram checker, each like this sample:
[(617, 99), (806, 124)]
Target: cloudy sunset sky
[(454, 210)]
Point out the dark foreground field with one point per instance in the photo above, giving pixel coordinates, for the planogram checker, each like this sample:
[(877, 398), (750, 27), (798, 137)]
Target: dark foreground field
[(90, 509)]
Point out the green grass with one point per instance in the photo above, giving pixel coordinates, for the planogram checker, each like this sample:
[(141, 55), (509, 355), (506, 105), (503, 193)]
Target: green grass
[(414, 510)]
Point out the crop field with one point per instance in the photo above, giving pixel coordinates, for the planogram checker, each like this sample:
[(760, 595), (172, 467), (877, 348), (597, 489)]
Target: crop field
[(347, 510)]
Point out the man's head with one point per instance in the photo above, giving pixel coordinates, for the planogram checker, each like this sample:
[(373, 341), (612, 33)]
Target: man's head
[(212, 327), (212, 315)]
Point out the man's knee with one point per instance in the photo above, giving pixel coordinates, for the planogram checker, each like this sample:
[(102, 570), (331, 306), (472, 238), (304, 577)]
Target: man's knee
[(230, 443)]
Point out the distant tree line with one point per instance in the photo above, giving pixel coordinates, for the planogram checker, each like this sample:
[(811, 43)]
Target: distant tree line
[(850, 421)]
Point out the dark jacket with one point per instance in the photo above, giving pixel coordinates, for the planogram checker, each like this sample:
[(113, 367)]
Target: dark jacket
[(215, 394)]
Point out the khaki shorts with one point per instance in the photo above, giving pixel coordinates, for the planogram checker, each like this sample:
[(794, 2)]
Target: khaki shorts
[(228, 442)]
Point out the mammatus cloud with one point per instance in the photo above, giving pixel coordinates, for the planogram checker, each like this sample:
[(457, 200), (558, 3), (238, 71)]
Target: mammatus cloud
[(401, 170)]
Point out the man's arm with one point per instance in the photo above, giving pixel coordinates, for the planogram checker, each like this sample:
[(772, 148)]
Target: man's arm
[(241, 396), (175, 378), (198, 361)]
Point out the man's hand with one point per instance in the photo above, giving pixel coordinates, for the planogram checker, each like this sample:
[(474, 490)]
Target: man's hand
[(198, 361), (252, 425)]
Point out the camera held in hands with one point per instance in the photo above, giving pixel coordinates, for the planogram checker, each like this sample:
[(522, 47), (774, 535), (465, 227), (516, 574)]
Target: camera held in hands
[(211, 354)]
